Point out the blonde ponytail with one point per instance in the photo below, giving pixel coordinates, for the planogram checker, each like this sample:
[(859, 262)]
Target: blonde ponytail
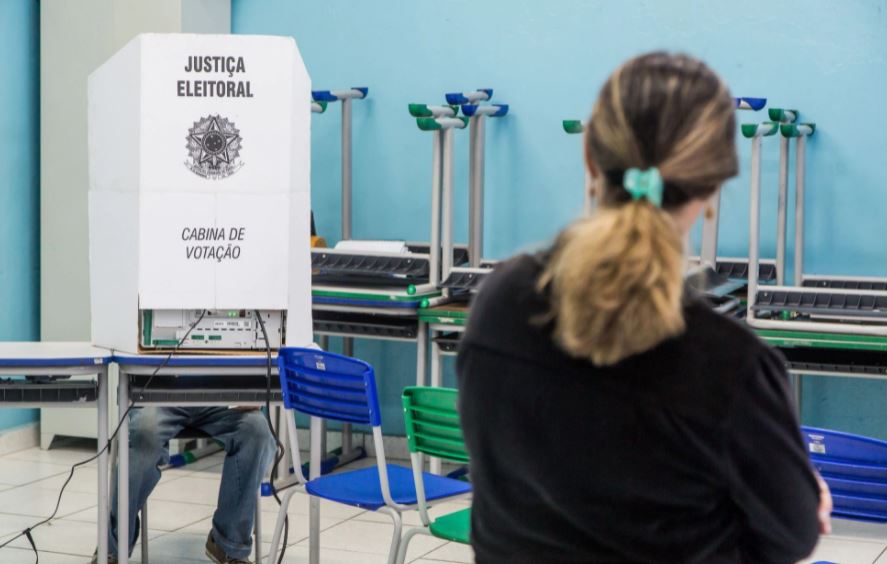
[(616, 283), (616, 280)]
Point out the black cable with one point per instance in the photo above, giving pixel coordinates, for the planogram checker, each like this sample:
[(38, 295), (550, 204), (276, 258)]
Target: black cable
[(281, 452), (132, 403)]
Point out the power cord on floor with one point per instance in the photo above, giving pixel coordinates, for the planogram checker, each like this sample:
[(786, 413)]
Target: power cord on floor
[(132, 403), (281, 452)]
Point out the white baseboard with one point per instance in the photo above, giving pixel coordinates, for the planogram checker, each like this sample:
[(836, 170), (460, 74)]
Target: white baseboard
[(20, 438)]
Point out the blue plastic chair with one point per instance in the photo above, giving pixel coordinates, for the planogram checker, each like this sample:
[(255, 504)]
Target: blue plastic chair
[(338, 388), (855, 469)]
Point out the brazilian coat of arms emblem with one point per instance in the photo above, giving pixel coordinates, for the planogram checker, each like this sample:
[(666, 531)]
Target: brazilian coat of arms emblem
[(213, 148)]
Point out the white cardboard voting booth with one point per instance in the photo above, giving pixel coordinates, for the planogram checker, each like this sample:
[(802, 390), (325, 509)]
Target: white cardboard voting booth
[(199, 166)]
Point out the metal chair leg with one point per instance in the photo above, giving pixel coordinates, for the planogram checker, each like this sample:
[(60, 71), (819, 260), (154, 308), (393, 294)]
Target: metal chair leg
[(314, 530), (143, 532), (278, 526), (405, 542), (258, 528), (395, 537)]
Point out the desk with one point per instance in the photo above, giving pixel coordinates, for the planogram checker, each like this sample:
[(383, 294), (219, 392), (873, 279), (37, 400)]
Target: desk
[(807, 353), (829, 354), (446, 318), (180, 382), (63, 359), (354, 319)]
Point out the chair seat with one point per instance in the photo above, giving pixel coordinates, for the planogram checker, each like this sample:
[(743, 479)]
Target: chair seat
[(361, 488), (454, 526)]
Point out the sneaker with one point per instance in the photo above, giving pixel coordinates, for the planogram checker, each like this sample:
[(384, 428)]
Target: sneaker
[(95, 558), (217, 555)]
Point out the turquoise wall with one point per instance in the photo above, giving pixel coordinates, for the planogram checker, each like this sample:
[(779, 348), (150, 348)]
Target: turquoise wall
[(548, 59), (19, 182)]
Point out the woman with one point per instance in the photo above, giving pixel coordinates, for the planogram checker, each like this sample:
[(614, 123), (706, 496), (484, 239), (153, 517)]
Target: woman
[(609, 415)]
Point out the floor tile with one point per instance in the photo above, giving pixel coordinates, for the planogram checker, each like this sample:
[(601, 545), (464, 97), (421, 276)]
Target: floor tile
[(299, 505), (173, 548), (183, 503), (18, 472), (411, 518), (859, 530), (68, 537), (39, 502), (299, 555), (374, 538), (26, 556), (167, 559), (10, 524), (65, 456), (188, 490), (213, 472), (298, 527), (451, 552), (214, 460), (163, 515), (847, 551), (429, 561), (85, 479)]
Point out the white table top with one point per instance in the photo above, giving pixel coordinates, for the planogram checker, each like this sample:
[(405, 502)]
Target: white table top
[(75, 353), (52, 353), (185, 360)]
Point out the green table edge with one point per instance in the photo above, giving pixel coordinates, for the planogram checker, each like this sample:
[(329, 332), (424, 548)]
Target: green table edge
[(806, 339), (443, 317), (373, 297), (776, 338)]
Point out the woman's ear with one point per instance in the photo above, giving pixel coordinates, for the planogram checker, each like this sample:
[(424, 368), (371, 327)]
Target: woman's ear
[(593, 169)]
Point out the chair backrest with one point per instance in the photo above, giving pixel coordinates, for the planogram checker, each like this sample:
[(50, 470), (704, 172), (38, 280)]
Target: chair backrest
[(432, 423), (329, 385)]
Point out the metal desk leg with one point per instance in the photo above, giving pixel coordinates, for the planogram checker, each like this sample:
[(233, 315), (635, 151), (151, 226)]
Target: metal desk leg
[(436, 370), (102, 436), (436, 361), (347, 446), (782, 211), (421, 353), (123, 470), (421, 365)]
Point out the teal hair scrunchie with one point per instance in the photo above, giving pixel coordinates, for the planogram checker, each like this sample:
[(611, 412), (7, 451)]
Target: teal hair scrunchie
[(644, 184)]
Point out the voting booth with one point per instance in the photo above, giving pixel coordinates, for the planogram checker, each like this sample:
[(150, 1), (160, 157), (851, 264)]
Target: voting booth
[(199, 197)]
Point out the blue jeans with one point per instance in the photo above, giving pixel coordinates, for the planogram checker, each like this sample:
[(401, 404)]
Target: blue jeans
[(250, 451)]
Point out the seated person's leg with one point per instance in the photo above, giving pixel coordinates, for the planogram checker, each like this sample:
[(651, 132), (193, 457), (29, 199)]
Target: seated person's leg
[(150, 429), (250, 451)]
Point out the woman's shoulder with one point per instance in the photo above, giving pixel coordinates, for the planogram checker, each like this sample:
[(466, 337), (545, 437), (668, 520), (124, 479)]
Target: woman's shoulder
[(509, 308), (512, 282), (733, 340)]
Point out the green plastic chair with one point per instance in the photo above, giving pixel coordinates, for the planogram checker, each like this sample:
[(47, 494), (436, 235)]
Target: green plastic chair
[(433, 428)]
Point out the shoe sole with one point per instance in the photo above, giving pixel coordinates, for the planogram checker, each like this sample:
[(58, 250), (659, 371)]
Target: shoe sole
[(211, 556)]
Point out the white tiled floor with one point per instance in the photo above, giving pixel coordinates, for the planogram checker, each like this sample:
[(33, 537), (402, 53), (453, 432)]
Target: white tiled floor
[(182, 505), (180, 512)]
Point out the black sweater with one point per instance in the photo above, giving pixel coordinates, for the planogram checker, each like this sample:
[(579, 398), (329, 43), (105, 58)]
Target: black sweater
[(689, 452)]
